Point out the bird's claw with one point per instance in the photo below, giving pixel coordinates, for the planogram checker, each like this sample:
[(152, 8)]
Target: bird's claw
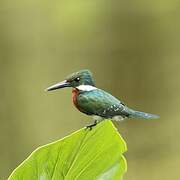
[(91, 126)]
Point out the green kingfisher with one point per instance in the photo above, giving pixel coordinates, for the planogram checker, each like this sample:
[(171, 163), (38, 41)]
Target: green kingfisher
[(96, 102)]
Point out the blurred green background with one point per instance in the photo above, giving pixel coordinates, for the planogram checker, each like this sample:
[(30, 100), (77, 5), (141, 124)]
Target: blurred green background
[(133, 50)]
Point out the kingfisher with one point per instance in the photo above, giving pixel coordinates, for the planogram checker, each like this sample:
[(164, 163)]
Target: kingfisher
[(96, 102)]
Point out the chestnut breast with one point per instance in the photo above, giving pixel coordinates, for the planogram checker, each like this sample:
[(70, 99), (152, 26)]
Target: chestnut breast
[(75, 93)]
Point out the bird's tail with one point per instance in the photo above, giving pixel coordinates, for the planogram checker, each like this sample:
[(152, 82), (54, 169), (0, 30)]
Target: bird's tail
[(139, 114)]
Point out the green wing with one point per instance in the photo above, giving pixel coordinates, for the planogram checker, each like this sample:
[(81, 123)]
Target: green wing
[(99, 102)]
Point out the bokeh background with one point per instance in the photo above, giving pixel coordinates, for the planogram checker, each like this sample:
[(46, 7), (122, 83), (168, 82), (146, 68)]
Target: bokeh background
[(133, 50)]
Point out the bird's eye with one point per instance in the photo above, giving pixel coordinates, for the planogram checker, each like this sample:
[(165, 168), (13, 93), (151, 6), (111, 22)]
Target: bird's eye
[(77, 79)]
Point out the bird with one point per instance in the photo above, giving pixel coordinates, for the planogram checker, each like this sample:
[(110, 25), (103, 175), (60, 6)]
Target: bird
[(96, 102)]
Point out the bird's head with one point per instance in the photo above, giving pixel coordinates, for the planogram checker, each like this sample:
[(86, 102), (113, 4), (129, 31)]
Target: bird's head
[(83, 77)]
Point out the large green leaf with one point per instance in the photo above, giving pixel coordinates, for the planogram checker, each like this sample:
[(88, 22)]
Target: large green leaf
[(83, 155)]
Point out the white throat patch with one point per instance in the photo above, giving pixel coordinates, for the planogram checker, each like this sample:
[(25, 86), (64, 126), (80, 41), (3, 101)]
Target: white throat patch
[(86, 88)]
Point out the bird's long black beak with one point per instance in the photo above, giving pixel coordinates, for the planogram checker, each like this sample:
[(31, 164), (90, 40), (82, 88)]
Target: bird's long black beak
[(59, 85)]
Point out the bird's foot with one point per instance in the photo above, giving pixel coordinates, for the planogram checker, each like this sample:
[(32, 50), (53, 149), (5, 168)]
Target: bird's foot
[(91, 125)]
